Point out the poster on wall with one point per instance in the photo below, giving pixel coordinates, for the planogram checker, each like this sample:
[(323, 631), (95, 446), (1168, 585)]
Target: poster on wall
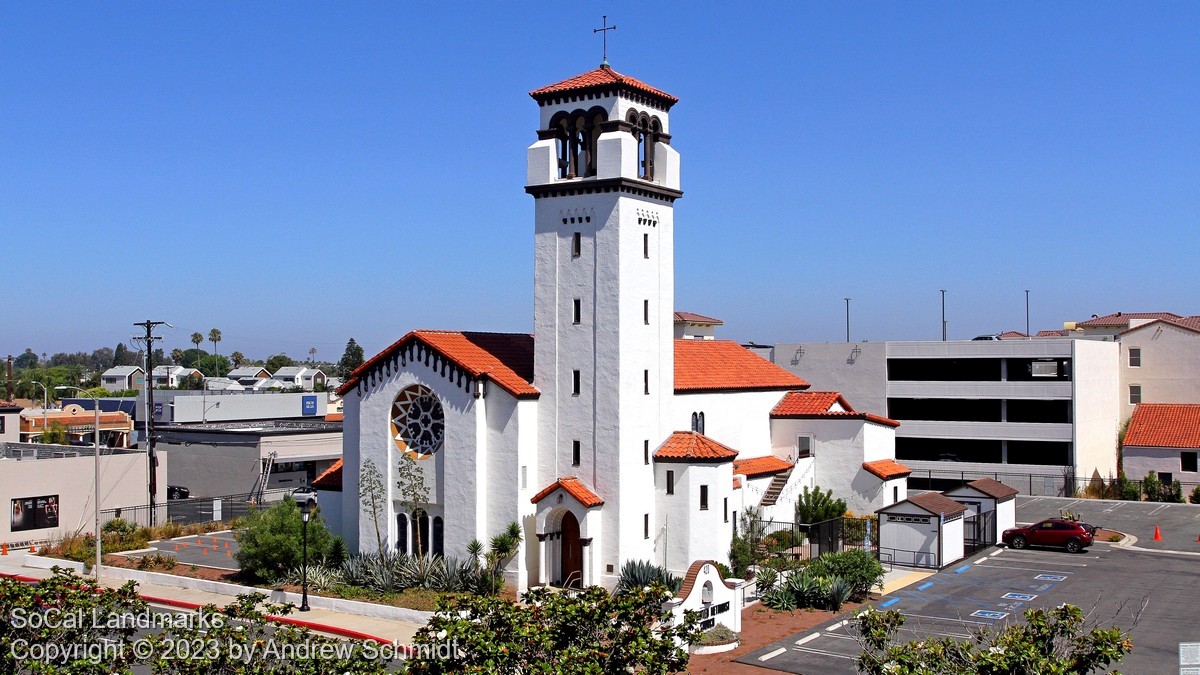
[(34, 513)]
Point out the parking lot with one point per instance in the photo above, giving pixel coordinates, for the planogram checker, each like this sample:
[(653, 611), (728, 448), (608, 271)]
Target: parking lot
[(215, 549), (1178, 523), (998, 585)]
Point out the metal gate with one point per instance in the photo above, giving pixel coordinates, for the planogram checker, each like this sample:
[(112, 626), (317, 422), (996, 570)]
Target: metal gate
[(979, 531)]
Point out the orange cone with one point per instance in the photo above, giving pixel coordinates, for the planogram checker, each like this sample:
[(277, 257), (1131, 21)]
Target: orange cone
[(228, 554), (1157, 534), (185, 544), (214, 541), (199, 541), (176, 547), (226, 544), (5, 550), (203, 551)]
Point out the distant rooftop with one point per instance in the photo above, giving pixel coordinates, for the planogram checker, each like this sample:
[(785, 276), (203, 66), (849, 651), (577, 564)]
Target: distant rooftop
[(267, 427)]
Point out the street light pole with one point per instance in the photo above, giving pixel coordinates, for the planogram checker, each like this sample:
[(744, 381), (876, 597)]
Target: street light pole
[(96, 486), (943, 315), (304, 560)]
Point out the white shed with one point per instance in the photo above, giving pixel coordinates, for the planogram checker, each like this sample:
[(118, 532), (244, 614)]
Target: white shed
[(991, 509), (925, 530)]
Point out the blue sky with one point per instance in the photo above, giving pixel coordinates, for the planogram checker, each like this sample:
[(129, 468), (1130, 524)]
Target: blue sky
[(299, 173)]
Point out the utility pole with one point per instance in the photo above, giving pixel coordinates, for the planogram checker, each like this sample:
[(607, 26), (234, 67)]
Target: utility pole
[(1026, 312), (9, 377), (149, 339), (847, 319), (943, 315)]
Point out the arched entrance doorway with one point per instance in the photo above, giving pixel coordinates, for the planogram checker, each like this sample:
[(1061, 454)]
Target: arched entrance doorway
[(571, 559)]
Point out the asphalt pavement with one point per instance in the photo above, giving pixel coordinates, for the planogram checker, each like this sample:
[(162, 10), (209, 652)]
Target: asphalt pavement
[(215, 549), (1179, 524), (997, 586)]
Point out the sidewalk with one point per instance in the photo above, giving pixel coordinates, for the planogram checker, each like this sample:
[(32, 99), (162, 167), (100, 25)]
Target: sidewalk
[(900, 577), (322, 621)]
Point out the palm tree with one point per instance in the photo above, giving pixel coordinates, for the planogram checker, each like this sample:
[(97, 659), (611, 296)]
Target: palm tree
[(197, 338), (312, 355), (214, 336), (238, 359)]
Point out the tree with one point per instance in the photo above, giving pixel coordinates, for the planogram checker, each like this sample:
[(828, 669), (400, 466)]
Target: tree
[(410, 481), (123, 357), (351, 358), (278, 361), (56, 433), (1053, 642), (372, 494), (26, 361), (272, 540), (312, 355), (816, 506), (1152, 487), (569, 633), (197, 338), (214, 336), (238, 359), (102, 359), (177, 356)]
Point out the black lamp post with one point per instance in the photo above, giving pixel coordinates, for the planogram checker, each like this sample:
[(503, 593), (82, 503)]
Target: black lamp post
[(306, 499)]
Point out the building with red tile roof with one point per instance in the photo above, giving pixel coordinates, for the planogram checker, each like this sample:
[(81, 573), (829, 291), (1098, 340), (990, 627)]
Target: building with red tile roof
[(1163, 439), (723, 366), (693, 447)]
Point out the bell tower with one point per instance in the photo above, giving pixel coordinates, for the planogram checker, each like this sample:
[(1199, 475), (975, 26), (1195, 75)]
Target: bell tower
[(604, 178)]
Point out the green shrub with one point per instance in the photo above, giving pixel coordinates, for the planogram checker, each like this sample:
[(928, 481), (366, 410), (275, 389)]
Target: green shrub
[(766, 579), (717, 635), (726, 573), (1152, 487), (1126, 489), (779, 598), (860, 569), (741, 557), (272, 544), (1195, 498), (119, 527), (815, 506)]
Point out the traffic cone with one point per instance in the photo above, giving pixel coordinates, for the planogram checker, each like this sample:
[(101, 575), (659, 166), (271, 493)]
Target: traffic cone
[(199, 541), (1157, 534), (214, 541), (5, 550), (228, 554), (185, 544), (176, 547), (226, 544), (203, 551)]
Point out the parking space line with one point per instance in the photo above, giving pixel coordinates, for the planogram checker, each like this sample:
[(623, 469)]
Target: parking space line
[(1158, 509), (960, 636), (962, 569), (841, 637), (889, 603), (1032, 569), (925, 585), (823, 653), (944, 618)]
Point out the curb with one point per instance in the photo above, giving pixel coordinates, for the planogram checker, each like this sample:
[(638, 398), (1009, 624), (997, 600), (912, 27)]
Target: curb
[(311, 625)]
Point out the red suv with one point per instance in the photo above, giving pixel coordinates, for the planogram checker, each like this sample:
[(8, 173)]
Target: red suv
[(1069, 534)]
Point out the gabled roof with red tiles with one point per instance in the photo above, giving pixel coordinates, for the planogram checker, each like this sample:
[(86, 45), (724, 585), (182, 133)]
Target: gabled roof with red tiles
[(9, 404), (691, 446), (737, 483), (335, 417), (330, 479), (1012, 335), (692, 317), (1118, 319), (30, 421), (504, 358), (572, 486), (723, 365), (601, 79), (804, 405), (760, 466), (1165, 425), (887, 469), (1191, 323), (1051, 333)]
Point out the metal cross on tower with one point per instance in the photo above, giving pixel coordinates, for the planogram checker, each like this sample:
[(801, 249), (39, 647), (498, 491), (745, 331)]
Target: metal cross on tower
[(604, 35)]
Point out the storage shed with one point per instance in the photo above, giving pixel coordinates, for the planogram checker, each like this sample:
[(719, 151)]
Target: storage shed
[(925, 530), (991, 509)]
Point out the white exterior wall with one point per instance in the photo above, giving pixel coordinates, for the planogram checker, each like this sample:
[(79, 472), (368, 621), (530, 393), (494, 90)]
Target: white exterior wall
[(1170, 370), (1006, 516), (899, 538), (740, 420), (1140, 460), (840, 446), (332, 509), (180, 408), (721, 594), (1097, 407), (616, 107), (952, 541), (684, 533), (10, 426), (123, 481)]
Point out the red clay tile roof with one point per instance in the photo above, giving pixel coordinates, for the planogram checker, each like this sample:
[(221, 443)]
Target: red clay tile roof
[(1122, 319), (330, 479), (572, 486), (887, 469), (723, 365), (1012, 335), (689, 446), (937, 503), (737, 483), (1191, 323), (803, 405), (601, 78), (760, 466), (504, 358), (1051, 333), (994, 488), (689, 579), (9, 404), (692, 317), (335, 417), (85, 418), (1165, 425)]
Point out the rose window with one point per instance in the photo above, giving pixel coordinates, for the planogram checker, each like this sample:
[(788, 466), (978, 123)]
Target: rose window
[(418, 423)]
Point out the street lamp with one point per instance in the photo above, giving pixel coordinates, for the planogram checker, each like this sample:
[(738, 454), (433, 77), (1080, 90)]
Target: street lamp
[(96, 494), (306, 499)]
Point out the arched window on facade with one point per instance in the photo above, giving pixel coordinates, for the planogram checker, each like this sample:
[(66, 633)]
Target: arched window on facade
[(701, 420), (421, 548), (438, 529), (402, 532), (576, 136), (646, 130), (698, 422)]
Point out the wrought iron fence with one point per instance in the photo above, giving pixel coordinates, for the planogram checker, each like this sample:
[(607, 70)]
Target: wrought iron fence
[(1065, 484), (193, 510)]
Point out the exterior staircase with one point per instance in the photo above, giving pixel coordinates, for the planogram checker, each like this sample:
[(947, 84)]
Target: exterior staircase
[(772, 494)]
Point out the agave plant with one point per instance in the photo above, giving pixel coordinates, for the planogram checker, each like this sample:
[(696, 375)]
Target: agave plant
[(641, 573), (321, 577), (779, 598), (766, 578), (840, 591)]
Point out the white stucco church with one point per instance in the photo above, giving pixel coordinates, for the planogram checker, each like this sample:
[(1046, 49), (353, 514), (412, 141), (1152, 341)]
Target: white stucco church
[(605, 437)]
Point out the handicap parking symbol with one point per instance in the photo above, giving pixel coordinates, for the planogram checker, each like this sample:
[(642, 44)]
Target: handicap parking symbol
[(1019, 596), (989, 614), (1050, 577)]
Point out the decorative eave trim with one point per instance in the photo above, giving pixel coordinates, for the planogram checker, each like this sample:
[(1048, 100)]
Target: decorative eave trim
[(731, 390), (588, 186), (596, 91), (694, 460)]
